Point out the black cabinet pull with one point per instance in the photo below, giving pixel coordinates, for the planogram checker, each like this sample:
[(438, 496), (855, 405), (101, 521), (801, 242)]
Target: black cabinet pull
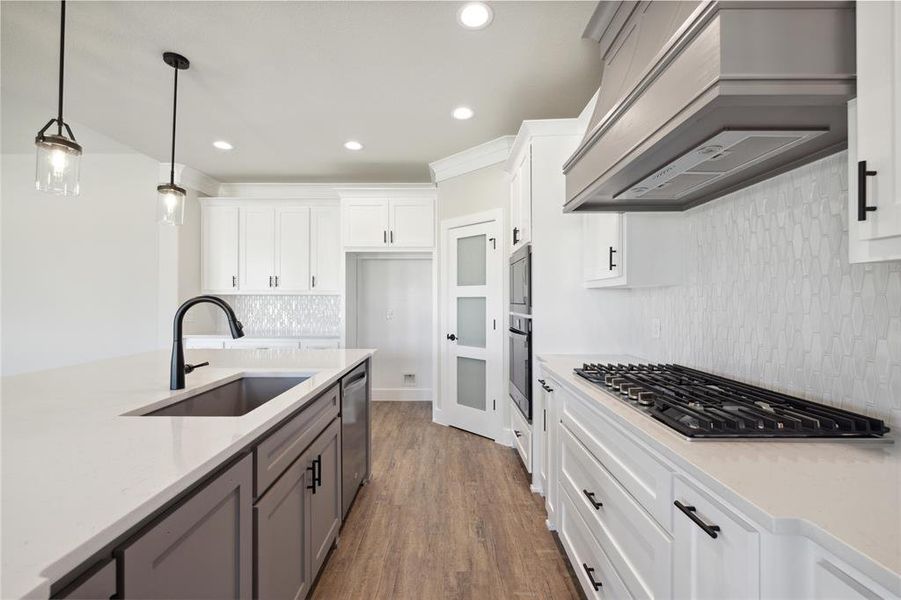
[(276, 281), (690, 513), (542, 381), (517, 433), (391, 236), (270, 281), (590, 495), (590, 572), (317, 477), (384, 236), (862, 174), (314, 281), (452, 337), (234, 281), (610, 260), (515, 235), (548, 388)]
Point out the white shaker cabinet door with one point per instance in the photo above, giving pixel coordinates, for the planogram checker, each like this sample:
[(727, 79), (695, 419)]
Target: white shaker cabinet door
[(220, 249), (293, 250), (366, 223), (716, 554), (603, 248), (412, 223), (258, 250), (325, 262)]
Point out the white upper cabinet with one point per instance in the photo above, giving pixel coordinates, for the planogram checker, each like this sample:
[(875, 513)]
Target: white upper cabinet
[(406, 223), (366, 222), (292, 273), (220, 249), (270, 247), (632, 250), (874, 136), (257, 249), (412, 223), (521, 201), (325, 247)]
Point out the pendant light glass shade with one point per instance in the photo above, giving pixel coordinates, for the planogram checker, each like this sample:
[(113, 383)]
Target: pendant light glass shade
[(58, 156), (170, 204), (57, 165)]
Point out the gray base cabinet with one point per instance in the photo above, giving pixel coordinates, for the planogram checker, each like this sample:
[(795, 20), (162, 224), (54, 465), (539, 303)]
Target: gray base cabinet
[(202, 549), (282, 519), (298, 518)]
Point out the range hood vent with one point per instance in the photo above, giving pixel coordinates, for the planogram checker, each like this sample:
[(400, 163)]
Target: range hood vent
[(699, 99)]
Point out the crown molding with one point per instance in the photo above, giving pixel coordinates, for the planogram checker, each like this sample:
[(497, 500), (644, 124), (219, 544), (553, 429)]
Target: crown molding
[(302, 191), (538, 128), (190, 178), (471, 159), (394, 190)]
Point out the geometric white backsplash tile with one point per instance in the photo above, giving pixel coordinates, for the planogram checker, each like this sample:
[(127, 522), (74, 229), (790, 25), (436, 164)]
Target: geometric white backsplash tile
[(770, 298), (286, 315)]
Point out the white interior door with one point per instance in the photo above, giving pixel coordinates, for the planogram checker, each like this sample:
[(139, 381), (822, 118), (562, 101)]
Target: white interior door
[(472, 381)]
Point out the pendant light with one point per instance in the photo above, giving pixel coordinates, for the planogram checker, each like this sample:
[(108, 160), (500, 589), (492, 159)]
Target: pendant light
[(171, 201), (58, 155)]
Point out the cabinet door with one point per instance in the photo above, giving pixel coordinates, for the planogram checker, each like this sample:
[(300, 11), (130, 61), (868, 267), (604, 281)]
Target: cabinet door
[(326, 249), (412, 223), (292, 250), (201, 549), (220, 249), (525, 198), (603, 248), (727, 566), (282, 523), (878, 118), (515, 217), (325, 497), (366, 222), (257, 249)]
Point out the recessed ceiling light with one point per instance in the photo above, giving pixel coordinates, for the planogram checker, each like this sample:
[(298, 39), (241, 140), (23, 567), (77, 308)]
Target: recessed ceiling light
[(223, 145), (461, 113), (353, 145), (475, 15)]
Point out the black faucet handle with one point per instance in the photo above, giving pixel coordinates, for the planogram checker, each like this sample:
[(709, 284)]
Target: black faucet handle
[(190, 368)]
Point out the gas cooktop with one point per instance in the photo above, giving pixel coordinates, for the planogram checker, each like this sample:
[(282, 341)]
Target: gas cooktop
[(703, 406)]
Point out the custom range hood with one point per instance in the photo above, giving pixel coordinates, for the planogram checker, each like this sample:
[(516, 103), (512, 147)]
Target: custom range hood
[(699, 99)]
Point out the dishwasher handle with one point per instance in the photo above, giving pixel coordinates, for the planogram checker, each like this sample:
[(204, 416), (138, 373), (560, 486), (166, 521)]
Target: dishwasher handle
[(355, 381)]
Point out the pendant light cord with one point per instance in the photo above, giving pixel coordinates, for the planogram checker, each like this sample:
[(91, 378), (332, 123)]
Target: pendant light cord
[(174, 109), (62, 47)]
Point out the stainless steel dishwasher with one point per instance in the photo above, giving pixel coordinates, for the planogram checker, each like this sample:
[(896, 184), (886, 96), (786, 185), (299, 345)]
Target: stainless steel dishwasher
[(354, 433)]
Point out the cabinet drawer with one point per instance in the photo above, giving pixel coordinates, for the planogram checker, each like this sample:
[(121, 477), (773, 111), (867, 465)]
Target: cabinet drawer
[(276, 453), (98, 582), (639, 548), (522, 436), (704, 566), (585, 553), (646, 479)]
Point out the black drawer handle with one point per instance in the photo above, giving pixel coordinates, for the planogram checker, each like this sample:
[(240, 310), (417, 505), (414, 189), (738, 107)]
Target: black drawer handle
[(317, 476), (517, 433), (590, 495), (590, 572), (542, 381), (312, 484), (612, 265), (690, 513), (862, 174)]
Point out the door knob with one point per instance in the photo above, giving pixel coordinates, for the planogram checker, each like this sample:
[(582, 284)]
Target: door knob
[(451, 337)]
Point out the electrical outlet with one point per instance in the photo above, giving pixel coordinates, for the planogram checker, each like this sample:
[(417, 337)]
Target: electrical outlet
[(655, 329), (410, 379)]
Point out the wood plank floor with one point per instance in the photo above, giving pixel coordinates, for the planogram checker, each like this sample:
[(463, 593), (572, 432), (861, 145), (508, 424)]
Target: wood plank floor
[(446, 514)]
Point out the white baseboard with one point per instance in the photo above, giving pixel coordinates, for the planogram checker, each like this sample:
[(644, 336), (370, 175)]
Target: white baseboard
[(402, 394)]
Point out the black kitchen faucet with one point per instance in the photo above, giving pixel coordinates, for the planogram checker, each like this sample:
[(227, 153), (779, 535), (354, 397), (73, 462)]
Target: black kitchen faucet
[(179, 368)]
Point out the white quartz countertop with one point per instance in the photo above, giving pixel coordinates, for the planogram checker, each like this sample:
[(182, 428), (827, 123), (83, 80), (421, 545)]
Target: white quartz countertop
[(77, 474), (846, 496)]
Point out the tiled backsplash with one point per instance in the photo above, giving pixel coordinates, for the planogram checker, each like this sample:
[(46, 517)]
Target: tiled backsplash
[(769, 296), (285, 315)]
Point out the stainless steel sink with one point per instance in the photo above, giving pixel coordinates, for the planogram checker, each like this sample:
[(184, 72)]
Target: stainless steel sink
[(233, 399)]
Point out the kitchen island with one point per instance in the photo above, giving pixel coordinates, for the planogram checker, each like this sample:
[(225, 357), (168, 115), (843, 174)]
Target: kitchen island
[(81, 471)]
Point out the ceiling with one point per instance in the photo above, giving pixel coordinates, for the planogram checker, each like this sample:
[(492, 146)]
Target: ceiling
[(289, 82)]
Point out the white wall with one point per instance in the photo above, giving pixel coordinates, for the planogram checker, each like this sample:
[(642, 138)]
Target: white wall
[(393, 300), (79, 275)]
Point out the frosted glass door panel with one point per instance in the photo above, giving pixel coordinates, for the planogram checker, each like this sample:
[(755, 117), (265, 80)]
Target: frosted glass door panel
[(471, 260), (471, 382), (471, 322)]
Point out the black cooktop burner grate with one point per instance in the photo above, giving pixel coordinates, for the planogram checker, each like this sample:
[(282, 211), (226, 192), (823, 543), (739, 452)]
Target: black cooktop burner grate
[(701, 405)]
